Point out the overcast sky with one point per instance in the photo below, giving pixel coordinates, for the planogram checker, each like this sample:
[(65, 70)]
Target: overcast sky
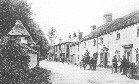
[(67, 16)]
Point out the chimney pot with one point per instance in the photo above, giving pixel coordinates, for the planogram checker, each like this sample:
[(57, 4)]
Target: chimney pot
[(107, 18), (93, 28)]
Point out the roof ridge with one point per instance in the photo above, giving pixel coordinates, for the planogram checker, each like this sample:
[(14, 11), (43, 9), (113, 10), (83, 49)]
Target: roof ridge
[(116, 24)]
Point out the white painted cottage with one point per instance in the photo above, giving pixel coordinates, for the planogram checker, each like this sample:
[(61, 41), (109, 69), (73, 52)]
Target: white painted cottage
[(116, 37)]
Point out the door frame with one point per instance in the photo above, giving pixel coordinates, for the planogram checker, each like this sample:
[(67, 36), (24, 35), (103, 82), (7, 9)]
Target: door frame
[(128, 49)]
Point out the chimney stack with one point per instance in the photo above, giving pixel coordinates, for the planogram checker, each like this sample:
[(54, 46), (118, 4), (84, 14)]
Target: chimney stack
[(107, 18), (93, 28), (80, 35), (74, 34), (69, 36)]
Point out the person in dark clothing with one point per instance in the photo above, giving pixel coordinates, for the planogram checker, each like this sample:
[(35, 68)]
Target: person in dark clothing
[(91, 62), (121, 66), (87, 53), (95, 56), (83, 62), (114, 62), (62, 59), (124, 65)]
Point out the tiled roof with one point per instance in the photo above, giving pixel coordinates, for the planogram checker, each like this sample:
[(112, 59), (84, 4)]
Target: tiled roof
[(19, 29), (117, 24)]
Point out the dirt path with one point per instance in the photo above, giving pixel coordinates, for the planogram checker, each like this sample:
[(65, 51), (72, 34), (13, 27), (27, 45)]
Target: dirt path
[(71, 74)]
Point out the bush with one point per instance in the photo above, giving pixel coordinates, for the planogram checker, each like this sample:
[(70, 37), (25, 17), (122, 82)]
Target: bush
[(14, 67)]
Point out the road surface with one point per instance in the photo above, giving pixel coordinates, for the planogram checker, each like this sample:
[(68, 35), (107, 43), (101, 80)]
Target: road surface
[(72, 74)]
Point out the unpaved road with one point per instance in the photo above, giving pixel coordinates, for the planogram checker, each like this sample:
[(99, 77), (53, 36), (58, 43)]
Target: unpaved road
[(72, 74)]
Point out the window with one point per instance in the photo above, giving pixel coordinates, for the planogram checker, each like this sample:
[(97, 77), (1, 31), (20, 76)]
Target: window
[(101, 40), (101, 57), (94, 43), (78, 57), (137, 31), (118, 36), (137, 55), (88, 42), (78, 47), (84, 44)]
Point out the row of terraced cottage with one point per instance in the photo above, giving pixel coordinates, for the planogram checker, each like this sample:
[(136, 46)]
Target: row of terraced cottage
[(115, 38)]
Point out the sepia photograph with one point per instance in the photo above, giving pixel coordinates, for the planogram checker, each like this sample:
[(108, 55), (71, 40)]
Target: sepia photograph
[(69, 41)]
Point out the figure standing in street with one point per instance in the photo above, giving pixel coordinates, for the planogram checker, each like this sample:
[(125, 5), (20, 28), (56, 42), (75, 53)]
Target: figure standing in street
[(82, 63), (124, 65), (121, 66), (62, 59), (95, 56), (91, 62), (114, 63), (87, 57)]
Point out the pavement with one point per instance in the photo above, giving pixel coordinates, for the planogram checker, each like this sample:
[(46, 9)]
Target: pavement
[(72, 74)]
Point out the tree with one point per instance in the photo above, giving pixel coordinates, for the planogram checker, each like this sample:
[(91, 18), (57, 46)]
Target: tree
[(52, 35), (12, 10)]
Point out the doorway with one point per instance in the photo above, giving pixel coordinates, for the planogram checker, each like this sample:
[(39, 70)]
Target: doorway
[(128, 52)]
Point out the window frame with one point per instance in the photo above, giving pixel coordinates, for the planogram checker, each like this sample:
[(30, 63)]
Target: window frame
[(101, 40), (118, 36), (137, 57), (138, 31), (94, 42)]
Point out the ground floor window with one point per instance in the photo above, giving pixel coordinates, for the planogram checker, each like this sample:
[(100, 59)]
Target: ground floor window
[(101, 57), (137, 55)]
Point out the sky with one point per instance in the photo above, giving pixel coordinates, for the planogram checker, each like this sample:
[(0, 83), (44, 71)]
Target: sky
[(68, 16)]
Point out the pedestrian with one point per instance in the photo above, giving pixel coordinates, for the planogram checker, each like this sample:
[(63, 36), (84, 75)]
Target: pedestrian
[(124, 65), (121, 66), (82, 63), (95, 56), (62, 59), (91, 62), (68, 60), (87, 53), (87, 57), (114, 63)]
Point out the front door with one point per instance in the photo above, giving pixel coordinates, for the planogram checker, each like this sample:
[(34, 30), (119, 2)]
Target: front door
[(128, 52)]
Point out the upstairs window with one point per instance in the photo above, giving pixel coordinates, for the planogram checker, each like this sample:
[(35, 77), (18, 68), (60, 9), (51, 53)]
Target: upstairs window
[(56, 48), (84, 44), (78, 47), (118, 36), (137, 55), (101, 40), (137, 31), (94, 43)]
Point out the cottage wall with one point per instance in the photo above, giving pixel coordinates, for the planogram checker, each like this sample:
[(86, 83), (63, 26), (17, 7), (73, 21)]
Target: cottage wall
[(33, 62)]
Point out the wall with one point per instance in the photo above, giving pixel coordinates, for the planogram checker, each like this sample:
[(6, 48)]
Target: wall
[(33, 60)]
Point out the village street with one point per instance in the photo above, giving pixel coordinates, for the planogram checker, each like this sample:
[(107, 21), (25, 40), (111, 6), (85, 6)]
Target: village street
[(72, 74)]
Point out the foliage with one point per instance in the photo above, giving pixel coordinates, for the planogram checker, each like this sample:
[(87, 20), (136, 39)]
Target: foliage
[(14, 67), (12, 10), (52, 34)]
